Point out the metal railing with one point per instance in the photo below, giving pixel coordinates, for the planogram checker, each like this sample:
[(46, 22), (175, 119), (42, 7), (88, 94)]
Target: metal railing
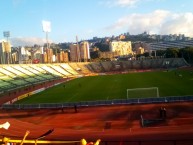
[(99, 103)]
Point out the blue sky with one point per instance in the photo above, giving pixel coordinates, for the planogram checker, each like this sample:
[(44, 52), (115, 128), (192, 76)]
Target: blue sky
[(90, 18)]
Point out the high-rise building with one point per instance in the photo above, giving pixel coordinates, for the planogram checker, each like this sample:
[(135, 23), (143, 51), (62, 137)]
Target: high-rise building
[(15, 57), (5, 53), (80, 52), (48, 56), (74, 53), (123, 48), (84, 51), (62, 57)]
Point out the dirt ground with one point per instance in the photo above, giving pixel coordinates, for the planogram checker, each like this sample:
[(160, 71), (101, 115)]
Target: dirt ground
[(118, 124)]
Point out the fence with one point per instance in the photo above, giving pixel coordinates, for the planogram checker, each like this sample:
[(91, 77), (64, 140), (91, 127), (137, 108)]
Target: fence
[(149, 142), (113, 142), (99, 103)]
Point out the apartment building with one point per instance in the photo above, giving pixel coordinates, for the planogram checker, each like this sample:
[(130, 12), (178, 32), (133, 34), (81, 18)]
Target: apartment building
[(123, 48), (84, 51), (5, 53), (79, 52)]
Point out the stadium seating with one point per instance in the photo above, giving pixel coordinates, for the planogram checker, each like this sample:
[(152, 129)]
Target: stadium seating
[(68, 69), (47, 68), (81, 68), (97, 67), (107, 66), (84, 68), (62, 71), (24, 71), (6, 72), (14, 71), (100, 67), (21, 75)]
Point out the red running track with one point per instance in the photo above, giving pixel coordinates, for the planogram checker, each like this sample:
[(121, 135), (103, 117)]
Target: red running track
[(119, 125)]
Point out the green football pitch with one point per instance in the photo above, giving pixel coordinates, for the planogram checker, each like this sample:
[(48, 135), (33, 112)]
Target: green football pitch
[(108, 87)]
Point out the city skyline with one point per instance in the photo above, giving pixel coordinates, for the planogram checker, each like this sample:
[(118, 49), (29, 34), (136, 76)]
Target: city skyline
[(92, 18)]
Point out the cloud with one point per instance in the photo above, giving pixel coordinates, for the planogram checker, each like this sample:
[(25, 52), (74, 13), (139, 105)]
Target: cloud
[(157, 22), (124, 3), (27, 41), (179, 23), (121, 3), (2, 40), (17, 3)]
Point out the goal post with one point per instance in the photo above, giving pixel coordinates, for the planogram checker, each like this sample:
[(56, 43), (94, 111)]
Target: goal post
[(143, 92)]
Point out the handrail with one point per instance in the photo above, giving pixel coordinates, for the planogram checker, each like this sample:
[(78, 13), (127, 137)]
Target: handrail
[(99, 103)]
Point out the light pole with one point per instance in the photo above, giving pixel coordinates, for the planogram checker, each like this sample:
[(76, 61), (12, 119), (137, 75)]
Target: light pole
[(6, 34), (46, 28), (6, 55)]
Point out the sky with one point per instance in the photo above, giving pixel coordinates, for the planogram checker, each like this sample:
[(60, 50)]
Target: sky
[(92, 18)]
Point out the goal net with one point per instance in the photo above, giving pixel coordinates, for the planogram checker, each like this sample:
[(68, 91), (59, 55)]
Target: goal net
[(143, 92)]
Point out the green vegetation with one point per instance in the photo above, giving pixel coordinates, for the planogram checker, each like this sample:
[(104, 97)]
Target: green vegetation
[(171, 83)]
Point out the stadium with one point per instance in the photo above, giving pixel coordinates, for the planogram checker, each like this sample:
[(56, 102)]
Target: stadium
[(64, 103)]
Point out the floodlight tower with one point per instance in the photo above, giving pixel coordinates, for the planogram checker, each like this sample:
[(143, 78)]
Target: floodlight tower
[(46, 28), (6, 34), (6, 55)]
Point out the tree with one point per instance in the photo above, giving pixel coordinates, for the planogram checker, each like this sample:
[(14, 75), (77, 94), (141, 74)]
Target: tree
[(187, 54), (94, 54), (160, 52), (64, 45), (103, 47), (172, 53), (146, 54)]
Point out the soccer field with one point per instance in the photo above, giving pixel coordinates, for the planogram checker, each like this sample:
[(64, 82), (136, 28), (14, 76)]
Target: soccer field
[(109, 87)]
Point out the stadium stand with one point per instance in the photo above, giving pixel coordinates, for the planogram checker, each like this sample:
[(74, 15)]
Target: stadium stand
[(61, 70), (101, 67), (97, 67), (127, 65), (37, 75), (83, 67), (15, 71), (47, 68), (19, 68), (26, 75), (43, 73), (7, 73), (16, 76), (74, 66), (68, 69), (5, 85), (107, 66)]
